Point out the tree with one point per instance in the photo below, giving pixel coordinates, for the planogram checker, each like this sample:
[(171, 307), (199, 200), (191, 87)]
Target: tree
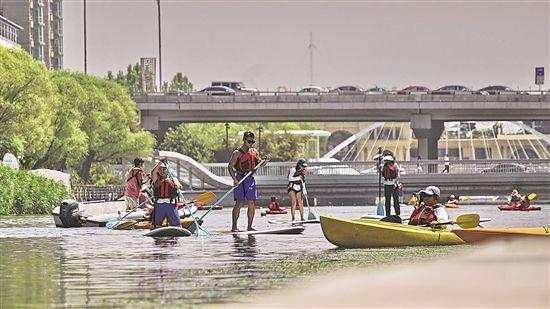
[(27, 103), (198, 141), (131, 80), (180, 82)]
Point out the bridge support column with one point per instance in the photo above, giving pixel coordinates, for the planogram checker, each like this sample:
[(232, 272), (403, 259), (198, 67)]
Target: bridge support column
[(427, 131)]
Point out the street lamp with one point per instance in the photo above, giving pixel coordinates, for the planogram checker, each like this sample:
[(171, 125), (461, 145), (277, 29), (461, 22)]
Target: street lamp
[(160, 47), (227, 136), (85, 43), (259, 139)]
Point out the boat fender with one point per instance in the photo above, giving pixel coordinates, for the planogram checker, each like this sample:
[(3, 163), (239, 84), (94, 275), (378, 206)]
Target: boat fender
[(68, 213)]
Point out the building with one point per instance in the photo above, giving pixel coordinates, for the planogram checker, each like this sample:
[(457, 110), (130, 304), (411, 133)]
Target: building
[(9, 31), (42, 33)]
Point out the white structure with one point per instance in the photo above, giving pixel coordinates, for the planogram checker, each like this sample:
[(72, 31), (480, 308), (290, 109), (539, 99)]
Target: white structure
[(9, 32)]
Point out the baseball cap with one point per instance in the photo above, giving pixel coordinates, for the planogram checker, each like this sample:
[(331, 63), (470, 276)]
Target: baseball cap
[(431, 190)]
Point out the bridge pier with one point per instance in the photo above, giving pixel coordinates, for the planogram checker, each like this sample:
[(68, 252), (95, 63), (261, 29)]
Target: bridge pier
[(427, 132)]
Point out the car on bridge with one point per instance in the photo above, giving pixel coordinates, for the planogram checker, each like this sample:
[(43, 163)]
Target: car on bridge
[(312, 90), (414, 90), (453, 89), (376, 90), (348, 90), (496, 89), (216, 90), (505, 168), (239, 87)]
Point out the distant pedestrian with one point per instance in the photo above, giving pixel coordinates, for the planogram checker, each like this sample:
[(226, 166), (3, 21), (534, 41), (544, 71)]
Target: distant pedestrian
[(447, 164), (419, 168)]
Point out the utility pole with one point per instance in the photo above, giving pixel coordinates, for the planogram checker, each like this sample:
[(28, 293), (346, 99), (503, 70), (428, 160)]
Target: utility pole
[(259, 139), (226, 136), (160, 47), (311, 47), (85, 43)]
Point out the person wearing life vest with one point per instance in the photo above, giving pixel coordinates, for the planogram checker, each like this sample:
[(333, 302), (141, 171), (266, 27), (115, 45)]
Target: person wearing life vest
[(390, 173), (274, 205), (165, 192), (135, 178), (452, 199), (429, 211), (244, 160), (515, 198), (296, 178)]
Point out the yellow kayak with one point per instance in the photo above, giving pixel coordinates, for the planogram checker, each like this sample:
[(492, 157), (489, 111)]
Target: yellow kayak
[(365, 233), (478, 234), (451, 205)]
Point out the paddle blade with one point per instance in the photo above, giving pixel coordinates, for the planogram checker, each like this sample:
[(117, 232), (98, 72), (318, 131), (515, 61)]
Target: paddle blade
[(532, 196), (125, 225), (467, 221), (380, 209), (205, 197), (311, 216), (111, 224)]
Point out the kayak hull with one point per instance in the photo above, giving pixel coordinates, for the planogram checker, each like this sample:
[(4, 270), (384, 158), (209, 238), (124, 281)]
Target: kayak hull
[(485, 234), (276, 212), (512, 208), (366, 233), (451, 205)]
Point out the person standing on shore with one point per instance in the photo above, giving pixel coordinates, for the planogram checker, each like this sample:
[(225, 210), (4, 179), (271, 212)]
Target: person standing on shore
[(447, 164), (244, 160)]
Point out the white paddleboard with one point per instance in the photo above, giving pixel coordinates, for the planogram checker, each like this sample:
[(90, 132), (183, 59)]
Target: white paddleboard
[(280, 231), (275, 221), (168, 231)]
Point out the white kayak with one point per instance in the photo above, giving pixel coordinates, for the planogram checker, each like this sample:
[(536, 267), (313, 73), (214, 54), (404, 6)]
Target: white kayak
[(295, 222), (280, 231)]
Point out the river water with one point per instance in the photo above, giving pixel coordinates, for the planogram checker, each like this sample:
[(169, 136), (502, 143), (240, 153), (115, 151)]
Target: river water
[(45, 266)]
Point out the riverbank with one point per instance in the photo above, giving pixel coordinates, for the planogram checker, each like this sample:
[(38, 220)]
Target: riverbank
[(511, 274)]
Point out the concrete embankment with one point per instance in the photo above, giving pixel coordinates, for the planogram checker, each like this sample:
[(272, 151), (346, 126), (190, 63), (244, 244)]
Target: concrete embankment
[(506, 274)]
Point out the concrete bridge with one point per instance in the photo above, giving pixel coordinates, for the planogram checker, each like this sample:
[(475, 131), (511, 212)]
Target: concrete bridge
[(426, 112)]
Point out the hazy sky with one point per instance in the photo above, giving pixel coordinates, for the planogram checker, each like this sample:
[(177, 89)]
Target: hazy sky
[(366, 43)]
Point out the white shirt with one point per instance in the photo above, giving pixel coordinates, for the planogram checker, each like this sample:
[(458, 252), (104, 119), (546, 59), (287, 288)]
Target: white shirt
[(447, 160), (291, 177), (441, 214)]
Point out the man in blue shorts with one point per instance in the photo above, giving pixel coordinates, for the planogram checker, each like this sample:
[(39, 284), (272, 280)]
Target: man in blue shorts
[(243, 160)]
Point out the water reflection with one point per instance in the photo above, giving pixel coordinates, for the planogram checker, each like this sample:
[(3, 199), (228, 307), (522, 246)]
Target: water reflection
[(245, 246)]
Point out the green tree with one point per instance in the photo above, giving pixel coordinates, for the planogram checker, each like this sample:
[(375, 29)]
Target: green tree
[(198, 141), (131, 80), (69, 144), (27, 103), (111, 125), (180, 82)]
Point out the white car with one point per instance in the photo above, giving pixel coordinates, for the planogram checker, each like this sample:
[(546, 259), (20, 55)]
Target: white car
[(312, 90)]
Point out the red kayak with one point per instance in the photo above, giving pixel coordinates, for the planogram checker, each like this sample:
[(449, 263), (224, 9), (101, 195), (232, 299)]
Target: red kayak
[(276, 212), (508, 207)]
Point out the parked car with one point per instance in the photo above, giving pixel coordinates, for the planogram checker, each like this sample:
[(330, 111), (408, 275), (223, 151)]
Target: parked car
[(453, 89), (312, 90), (414, 90), (348, 90), (217, 90), (376, 90), (496, 89), (505, 168)]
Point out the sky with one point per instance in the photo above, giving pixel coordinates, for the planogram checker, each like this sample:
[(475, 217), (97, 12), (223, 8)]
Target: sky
[(391, 44)]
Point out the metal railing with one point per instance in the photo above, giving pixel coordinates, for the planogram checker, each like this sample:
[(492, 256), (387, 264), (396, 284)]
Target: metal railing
[(280, 169)]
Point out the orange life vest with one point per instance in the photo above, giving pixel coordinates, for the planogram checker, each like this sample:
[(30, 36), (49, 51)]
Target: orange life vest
[(165, 188), (422, 215), (247, 161)]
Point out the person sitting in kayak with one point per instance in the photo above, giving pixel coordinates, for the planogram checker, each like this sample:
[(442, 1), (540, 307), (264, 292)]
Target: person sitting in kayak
[(296, 178), (274, 205), (429, 211), (165, 190), (515, 198), (452, 199), (524, 203)]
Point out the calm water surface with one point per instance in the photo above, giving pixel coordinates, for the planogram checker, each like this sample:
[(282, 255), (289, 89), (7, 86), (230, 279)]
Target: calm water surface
[(44, 266)]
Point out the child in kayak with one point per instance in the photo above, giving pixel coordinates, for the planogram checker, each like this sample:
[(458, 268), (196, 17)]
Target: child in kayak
[(429, 211)]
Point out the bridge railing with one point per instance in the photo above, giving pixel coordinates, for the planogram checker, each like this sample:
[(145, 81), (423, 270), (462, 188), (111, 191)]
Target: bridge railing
[(280, 169), (296, 97)]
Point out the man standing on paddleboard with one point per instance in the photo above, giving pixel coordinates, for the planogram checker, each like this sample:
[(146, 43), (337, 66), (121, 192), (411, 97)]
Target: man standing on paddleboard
[(244, 160)]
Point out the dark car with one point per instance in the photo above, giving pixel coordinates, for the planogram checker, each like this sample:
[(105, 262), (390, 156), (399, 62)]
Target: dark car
[(505, 168), (348, 90), (414, 90), (376, 90), (496, 90), (217, 90), (453, 89)]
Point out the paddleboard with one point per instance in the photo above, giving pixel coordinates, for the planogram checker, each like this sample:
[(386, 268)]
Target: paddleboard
[(283, 231), (275, 221), (168, 231)]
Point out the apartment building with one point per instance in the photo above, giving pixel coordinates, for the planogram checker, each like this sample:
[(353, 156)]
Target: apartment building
[(42, 28), (9, 31)]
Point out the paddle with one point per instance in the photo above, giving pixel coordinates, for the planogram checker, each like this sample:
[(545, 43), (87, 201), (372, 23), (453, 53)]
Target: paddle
[(465, 221), (379, 207), (230, 190), (531, 196), (310, 215), (200, 199), (199, 229)]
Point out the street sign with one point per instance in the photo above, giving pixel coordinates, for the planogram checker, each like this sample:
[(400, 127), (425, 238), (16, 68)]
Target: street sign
[(539, 76)]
